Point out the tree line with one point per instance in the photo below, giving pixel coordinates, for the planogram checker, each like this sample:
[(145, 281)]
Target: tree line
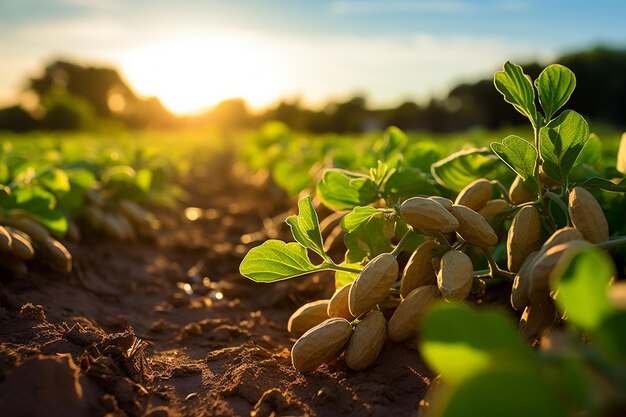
[(68, 96)]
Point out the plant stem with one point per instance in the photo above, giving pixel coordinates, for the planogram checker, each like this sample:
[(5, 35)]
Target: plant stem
[(400, 246), (613, 243), (551, 196), (494, 269), (341, 268), (503, 191)]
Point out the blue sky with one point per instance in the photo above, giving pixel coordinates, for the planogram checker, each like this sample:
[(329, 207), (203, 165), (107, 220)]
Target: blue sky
[(193, 53)]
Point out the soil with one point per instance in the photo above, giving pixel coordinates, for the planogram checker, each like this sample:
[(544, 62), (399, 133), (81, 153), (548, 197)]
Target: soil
[(170, 328)]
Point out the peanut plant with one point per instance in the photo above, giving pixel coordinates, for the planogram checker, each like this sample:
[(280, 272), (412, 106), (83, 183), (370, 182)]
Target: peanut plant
[(545, 236)]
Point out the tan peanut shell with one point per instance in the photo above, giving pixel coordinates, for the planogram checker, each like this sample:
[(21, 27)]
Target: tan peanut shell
[(523, 238), (113, 227), (58, 256), (33, 229), (563, 235), (473, 227), (539, 275), (367, 341), (404, 324), (5, 240), (419, 269), (129, 230), (519, 290), (371, 286), (445, 202), (338, 304), (133, 212), (308, 316), (320, 344), (546, 180), (537, 318), (476, 194), (427, 215), (21, 247), (493, 208), (587, 216), (94, 216), (455, 275), (518, 193)]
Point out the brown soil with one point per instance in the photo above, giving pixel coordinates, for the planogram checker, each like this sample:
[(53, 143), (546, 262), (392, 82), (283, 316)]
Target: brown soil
[(170, 328)]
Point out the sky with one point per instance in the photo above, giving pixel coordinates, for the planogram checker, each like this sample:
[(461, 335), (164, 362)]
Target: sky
[(192, 53)]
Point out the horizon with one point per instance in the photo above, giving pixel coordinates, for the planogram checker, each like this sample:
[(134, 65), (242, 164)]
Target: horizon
[(193, 55)]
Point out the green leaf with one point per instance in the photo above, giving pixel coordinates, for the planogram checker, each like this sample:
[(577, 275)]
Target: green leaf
[(582, 281), (459, 342), (276, 260), (519, 155), (358, 216), (394, 139), (55, 180), (38, 204), (517, 89), (592, 152), (143, 180), (507, 389), (343, 277), (421, 155), (621, 155), (119, 174), (406, 183), (291, 177), (562, 141), (305, 227), (555, 85), (367, 241), (343, 190), (611, 336), (463, 167), (603, 184)]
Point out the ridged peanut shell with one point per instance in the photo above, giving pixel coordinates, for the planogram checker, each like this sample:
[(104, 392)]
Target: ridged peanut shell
[(445, 202), (473, 227), (5, 240), (367, 341), (57, 255), (563, 235), (587, 216), (371, 286), (476, 194), (493, 208), (308, 316), (404, 324), (524, 237), (519, 290), (427, 215), (113, 227), (455, 276), (320, 344), (518, 193), (338, 304), (536, 318), (33, 229), (21, 247), (539, 275), (419, 269)]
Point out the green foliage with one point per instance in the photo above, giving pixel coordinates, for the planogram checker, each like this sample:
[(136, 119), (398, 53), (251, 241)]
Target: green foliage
[(342, 190), (463, 167), (305, 227), (517, 89), (562, 141), (555, 85), (519, 155), (276, 260)]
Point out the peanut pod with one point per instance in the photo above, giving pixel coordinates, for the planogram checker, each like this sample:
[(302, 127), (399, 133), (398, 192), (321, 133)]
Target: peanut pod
[(308, 316), (476, 194), (404, 323), (455, 275), (524, 237), (427, 215), (367, 341), (419, 269), (58, 256), (320, 344), (5, 240), (371, 286), (493, 208), (338, 305), (518, 193), (587, 216), (473, 227)]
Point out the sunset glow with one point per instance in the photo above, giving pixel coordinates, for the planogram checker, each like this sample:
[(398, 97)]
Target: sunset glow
[(192, 73)]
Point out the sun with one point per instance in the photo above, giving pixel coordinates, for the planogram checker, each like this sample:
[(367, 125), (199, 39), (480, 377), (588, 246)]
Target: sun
[(192, 73)]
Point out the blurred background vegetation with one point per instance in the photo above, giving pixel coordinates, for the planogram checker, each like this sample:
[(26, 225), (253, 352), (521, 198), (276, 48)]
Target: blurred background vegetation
[(69, 96)]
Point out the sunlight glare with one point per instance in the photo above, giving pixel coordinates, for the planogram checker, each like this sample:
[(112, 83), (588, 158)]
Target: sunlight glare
[(192, 73)]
